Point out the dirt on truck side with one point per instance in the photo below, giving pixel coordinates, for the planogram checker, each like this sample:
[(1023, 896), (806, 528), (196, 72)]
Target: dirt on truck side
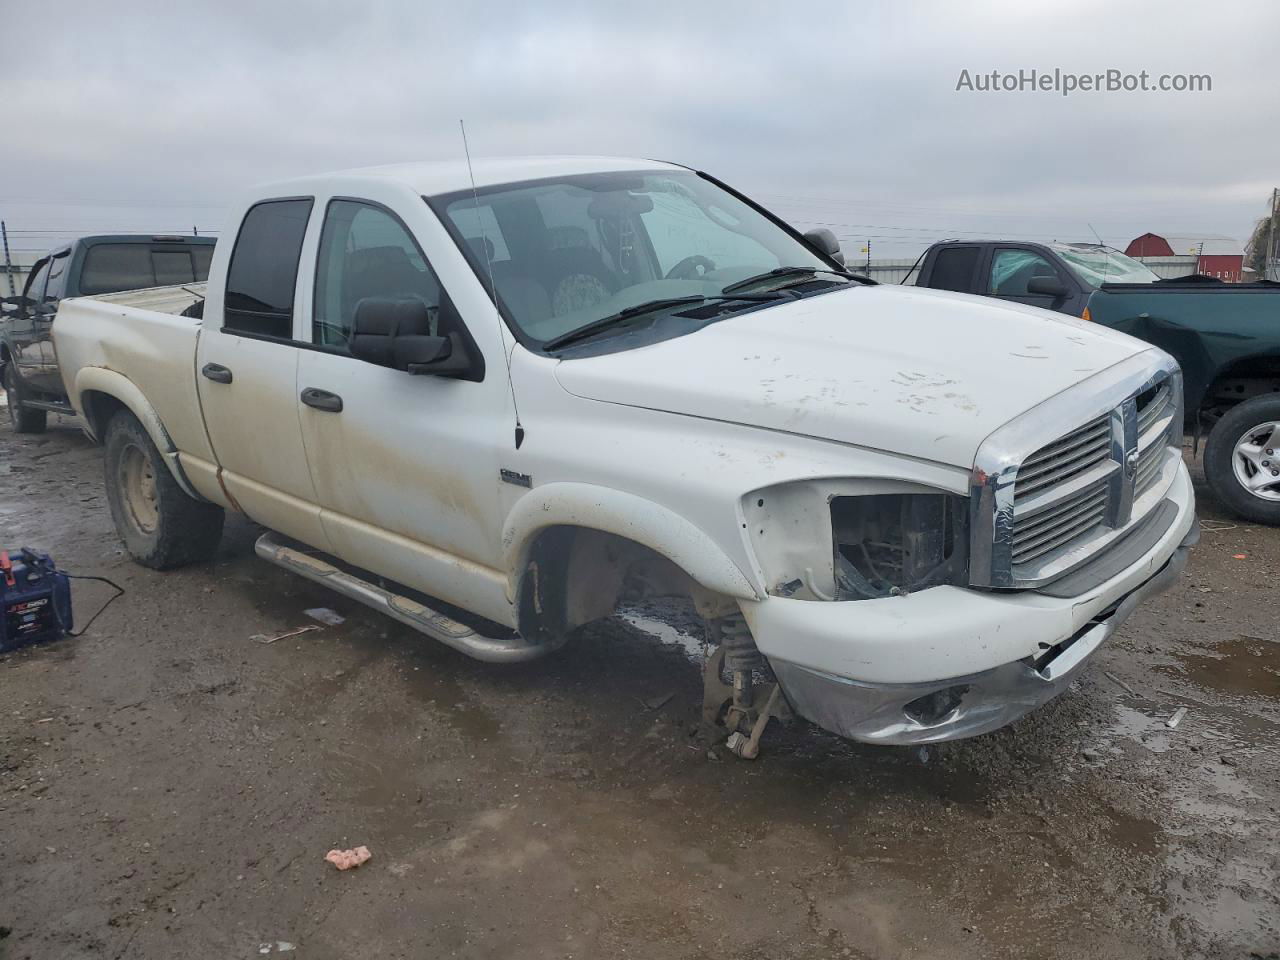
[(169, 786)]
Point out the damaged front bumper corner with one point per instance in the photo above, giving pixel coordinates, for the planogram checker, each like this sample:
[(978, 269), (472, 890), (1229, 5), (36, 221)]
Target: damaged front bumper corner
[(959, 707)]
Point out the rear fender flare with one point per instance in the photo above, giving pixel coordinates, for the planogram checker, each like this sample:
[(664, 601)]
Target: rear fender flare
[(625, 515), (118, 386)]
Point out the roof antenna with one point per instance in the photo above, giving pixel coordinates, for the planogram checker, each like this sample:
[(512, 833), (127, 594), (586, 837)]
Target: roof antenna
[(493, 290)]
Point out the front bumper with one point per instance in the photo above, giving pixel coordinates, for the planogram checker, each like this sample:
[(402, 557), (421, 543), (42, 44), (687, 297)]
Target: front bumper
[(890, 676)]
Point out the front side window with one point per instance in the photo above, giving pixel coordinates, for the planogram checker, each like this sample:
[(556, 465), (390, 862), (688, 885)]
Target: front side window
[(36, 281), (57, 288), (565, 252), (1012, 270), (264, 269), (366, 252)]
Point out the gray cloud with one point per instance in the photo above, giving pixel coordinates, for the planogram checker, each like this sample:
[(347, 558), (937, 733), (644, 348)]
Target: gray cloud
[(151, 115)]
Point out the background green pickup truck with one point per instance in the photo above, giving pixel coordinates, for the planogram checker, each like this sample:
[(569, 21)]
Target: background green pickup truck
[(1226, 337)]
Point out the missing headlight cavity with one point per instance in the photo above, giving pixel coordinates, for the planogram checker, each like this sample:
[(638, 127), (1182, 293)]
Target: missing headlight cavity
[(891, 544)]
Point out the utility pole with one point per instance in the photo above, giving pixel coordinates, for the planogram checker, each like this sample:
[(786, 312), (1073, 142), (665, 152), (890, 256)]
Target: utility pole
[(8, 264), (868, 258)]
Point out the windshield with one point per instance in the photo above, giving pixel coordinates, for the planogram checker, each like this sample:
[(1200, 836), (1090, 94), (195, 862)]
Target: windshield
[(567, 252), (1096, 265)]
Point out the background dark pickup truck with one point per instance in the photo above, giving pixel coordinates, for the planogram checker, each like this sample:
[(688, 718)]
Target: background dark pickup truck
[(84, 267), (1226, 337)]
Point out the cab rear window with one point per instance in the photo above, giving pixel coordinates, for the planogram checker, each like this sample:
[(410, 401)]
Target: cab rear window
[(112, 267)]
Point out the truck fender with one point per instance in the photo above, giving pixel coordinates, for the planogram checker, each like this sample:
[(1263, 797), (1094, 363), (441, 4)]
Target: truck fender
[(625, 515), (121, 388)]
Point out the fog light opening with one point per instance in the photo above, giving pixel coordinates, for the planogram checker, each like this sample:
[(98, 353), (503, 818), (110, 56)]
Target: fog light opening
[(933, 708)]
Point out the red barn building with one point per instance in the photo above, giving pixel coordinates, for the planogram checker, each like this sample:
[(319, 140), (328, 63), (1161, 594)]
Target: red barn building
[(1217, 256)]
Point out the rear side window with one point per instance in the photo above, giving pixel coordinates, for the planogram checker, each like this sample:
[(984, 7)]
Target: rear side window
[(264, 269), (953, 269)]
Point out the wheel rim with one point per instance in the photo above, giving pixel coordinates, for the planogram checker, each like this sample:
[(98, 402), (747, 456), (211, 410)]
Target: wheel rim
[(138, 483), (1256, 461)]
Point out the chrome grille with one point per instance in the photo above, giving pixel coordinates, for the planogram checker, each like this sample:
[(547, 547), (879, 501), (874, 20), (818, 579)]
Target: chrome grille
[(1041, 509), (1063, 460), (1156, 408), (1060, 491)]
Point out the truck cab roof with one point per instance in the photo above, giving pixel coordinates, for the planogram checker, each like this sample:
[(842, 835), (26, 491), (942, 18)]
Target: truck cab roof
[(429, 178)]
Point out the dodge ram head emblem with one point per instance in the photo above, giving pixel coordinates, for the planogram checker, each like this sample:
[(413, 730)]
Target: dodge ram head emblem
[(1131, 464)]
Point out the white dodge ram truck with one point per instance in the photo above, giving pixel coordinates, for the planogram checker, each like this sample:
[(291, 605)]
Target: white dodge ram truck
[(497, 403)]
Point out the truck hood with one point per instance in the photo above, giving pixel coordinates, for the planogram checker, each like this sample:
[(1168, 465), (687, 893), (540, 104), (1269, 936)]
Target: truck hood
[(899, 369)]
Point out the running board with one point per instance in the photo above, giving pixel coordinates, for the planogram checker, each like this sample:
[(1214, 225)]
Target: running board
[(52, 406), (411, 613)]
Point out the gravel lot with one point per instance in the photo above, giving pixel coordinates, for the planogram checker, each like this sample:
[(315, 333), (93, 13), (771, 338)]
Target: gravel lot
[(168, 787)]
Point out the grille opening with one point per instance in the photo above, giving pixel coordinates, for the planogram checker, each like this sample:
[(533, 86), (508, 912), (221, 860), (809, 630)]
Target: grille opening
[(892, 544)]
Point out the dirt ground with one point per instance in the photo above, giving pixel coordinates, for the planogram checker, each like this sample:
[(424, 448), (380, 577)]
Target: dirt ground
[(169, 787)]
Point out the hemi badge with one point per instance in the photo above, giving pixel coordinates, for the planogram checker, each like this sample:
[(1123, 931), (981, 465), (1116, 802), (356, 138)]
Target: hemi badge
[(519, 479)]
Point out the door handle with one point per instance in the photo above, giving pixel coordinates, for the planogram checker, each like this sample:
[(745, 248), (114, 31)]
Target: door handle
[(322, 400), (216, 372)]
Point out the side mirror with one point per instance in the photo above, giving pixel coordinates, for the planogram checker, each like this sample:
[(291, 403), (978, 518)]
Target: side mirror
[(824, 241), (44, 311), (1047, 287), (397, 334), (13, 306)]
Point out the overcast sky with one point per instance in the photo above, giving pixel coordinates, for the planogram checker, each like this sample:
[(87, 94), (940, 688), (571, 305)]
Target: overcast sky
[(138, 116)]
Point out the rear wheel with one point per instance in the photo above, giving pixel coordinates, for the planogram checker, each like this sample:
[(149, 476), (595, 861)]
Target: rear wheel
[(1242, 459), (161, 526), (23, 419)]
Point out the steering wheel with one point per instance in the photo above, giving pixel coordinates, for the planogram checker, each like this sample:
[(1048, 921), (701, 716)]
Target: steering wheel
[(687, 269)]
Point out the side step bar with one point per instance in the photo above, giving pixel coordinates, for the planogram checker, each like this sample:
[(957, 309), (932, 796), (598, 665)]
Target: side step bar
[(411, 613), (52, 406)]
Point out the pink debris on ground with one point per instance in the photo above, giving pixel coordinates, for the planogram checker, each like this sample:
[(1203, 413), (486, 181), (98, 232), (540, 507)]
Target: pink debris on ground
[(346, 859)]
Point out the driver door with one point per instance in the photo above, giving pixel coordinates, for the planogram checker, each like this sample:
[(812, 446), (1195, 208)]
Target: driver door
[(405, 466)]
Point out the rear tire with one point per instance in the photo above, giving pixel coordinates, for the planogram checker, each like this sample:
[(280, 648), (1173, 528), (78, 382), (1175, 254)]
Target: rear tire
[(1234, 458), (23, 420), (160, 525)]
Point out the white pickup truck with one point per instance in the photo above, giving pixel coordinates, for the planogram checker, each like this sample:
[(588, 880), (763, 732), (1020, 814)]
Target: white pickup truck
[(497, 403)]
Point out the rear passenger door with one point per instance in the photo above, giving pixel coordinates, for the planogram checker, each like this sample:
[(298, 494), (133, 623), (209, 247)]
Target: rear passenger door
[(955, 268), (246, 371)]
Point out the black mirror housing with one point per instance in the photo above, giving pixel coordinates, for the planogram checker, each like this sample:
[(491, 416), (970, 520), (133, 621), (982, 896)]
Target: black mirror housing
[(397, 333), (825, 242), (1047, 287)]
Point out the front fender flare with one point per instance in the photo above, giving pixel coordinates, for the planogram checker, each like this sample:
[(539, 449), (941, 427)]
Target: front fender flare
[(117, 385), (625, 515)]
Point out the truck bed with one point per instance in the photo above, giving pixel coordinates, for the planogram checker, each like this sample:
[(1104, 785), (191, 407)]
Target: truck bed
[(141, 336), (1207, 327)]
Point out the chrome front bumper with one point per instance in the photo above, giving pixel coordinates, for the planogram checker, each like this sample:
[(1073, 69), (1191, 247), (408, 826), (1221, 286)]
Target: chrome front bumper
[(960, 707)]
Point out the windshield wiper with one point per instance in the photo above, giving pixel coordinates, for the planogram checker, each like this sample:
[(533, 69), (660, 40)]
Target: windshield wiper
[(778, 272), (651, 306)]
